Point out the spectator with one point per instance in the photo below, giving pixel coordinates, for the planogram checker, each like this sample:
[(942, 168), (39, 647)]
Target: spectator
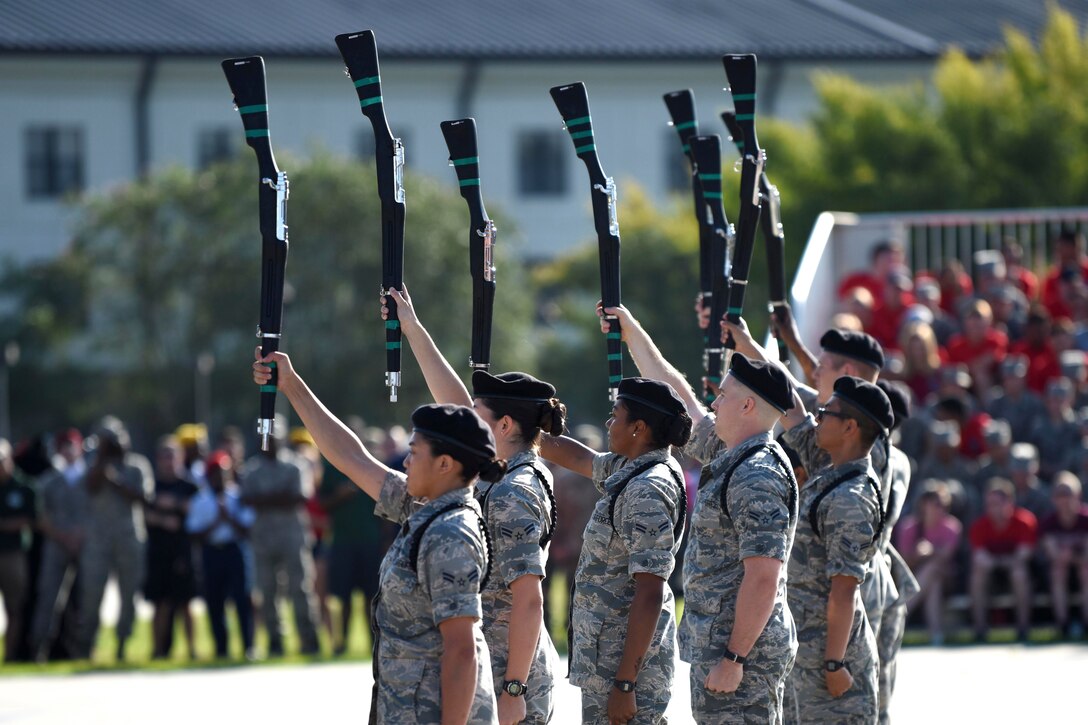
[(1074, 366), (928, 293), (1013, 401), (921, 360), (995, 463), (221, 522), (1069, 260), (117, 482), (63, 521), (170, 581), (885, 257), (1057, 434), (956, 286), (1010, 310), (928, 542), (1002, 540), (890, 309), (945, 463), (275, 485), (1024, 470), (858, 303), (1064, 535), (980, 347), (233, 443), (1017, 273), (846, 321), (193, 439), (17, 519), (958, 408), (1038, 349), (303, 445)]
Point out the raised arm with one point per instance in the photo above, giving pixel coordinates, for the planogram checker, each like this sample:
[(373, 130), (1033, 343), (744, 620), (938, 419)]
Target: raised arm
[(747, 345), (335, 440), (570, 454), (785, 327), (651, 363), (442, 381)]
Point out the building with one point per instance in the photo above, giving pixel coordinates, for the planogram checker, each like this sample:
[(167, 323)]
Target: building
[(95, 93)]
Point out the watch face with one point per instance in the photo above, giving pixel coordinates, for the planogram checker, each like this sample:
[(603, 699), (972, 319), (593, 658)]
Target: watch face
[(514, 688)]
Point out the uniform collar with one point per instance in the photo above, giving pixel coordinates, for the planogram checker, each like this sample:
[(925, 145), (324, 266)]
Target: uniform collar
[(457, 495), (735, 454), (526, 456), (658, 455)]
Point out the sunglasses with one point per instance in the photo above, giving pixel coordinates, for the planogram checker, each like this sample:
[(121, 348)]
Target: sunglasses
[(824, 411)]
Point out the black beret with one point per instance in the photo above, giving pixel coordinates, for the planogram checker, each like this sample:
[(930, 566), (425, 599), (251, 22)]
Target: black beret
[(899, 399), (657, 396), (456, 425), (766, 379), (867, 398), (855, 345), (511, 386)]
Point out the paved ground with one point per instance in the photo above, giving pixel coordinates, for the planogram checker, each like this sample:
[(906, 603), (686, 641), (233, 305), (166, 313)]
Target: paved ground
[(991, 684)]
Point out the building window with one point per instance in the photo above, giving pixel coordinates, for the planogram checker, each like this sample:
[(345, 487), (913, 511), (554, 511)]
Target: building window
[(677, 166), (214, 145), (542, 162), (54, 161)]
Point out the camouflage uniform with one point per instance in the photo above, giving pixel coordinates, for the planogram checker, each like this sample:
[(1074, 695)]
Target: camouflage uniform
[(518, 511), (847, 520), (280, 540), (412, 604), (115, 542), (643, 542), (759, 523), (64, 505)]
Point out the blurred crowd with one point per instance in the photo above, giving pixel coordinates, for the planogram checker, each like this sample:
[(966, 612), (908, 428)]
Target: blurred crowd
[(995, 362)]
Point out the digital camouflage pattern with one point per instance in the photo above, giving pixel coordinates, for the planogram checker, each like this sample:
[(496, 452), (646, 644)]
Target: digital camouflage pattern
[(890, 637), (643, 541), (847, 519), (411, 605), (518, 511), (760, 523)]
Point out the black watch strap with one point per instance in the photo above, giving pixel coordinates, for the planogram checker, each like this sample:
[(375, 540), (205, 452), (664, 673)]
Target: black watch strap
[(514, 688), (624, 685), (835, 665), (734, 657)]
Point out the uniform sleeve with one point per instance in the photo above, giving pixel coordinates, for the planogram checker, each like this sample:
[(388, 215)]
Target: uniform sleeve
[(802, 438), (704, 444), (644, 518), (604, 465), (451, 566), (847, 529), (517, 520), (394, 504), (759, 507)]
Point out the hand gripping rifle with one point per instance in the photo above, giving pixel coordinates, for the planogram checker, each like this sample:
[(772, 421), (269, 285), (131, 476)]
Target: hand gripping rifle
[(573, 104), (464, 158), (707, 152), (774, 238), (741, 72), (246, 79), (361, 58)]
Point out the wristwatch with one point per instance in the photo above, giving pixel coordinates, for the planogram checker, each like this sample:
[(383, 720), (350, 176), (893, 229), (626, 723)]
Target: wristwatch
[(514, 688), (624, 685), (734, 657), (835, 665)]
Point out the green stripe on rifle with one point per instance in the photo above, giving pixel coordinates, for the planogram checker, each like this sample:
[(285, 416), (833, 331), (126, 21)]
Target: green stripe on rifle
[(686, 148), (268, 388), (710, 177), (469, 182), (614, 335), (582, 134), (256, 132), (685, 125), (745, 116), (253, 109), (392, 324), (734, 311), (744, 97), (615, 378), (712, 195), (271, 364), (583, 149), (367, 81), (466, 161), (616, 356), (370, 101), (392, 346), (713, 379), (578, 121)]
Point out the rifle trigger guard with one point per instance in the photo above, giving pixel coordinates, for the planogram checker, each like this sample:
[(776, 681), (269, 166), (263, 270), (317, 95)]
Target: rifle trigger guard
[(609, 190), (261, 334)]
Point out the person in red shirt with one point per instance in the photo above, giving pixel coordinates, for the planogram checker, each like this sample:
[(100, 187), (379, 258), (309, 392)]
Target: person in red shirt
[(884, 258), (1043, 363), (1069, 250), (956, 286), (1017, 273), (890, 309), (1003, 538), (1065, 538), (980, 347)]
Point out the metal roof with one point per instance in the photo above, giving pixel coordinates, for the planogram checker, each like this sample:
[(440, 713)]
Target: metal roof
[(519, 29)]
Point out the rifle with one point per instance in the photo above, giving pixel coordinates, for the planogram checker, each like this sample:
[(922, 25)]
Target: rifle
[(573, 104), (464, 158), (360, 55), (246, 79), (707, 152), (741, 73), (774, 239)]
